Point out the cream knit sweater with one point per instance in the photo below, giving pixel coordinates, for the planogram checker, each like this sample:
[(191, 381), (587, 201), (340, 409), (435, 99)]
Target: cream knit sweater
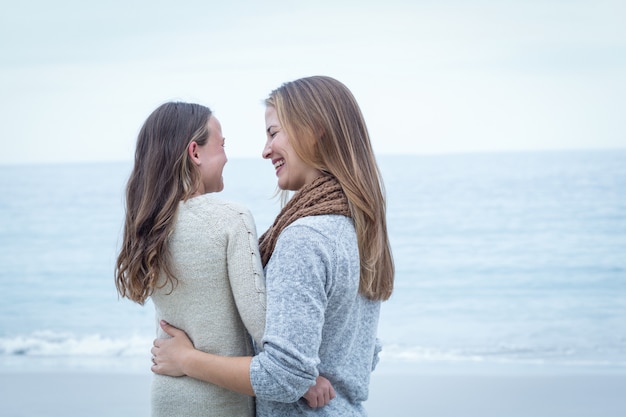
[(219, 299)]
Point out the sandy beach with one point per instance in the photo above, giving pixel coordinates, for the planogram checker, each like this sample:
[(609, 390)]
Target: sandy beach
[(397, 393), (449, 395)]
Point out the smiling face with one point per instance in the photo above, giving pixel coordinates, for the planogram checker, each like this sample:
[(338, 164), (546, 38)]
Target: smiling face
[(211, 159), (291, 171)]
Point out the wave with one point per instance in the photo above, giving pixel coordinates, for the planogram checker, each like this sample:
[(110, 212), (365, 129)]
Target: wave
[(65, 351), (48, 343), (513, 355)]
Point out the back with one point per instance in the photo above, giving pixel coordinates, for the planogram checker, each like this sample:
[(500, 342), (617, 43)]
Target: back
[(219, 298)]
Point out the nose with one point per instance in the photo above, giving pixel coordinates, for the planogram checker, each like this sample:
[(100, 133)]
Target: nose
[(267, 150)]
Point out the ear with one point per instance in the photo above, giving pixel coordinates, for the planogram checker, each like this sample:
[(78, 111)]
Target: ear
[(194, 155)]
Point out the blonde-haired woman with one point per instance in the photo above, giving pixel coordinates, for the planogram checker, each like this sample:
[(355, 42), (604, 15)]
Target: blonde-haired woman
[(327, 261)]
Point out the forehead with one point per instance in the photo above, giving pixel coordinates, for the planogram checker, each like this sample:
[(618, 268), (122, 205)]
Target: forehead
[(214, 125), (271, 116)]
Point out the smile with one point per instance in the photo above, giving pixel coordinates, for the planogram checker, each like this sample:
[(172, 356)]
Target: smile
[(279, 163)]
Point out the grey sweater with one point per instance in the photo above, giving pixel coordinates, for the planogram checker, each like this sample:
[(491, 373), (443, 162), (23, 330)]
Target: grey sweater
[(316, 320), (220, 297)]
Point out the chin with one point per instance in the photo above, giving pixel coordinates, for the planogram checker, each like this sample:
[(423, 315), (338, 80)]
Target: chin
[(218, 187), (283, 187)]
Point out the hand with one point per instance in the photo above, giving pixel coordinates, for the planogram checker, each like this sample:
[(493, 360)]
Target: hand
[(320, 394), (168, 354)]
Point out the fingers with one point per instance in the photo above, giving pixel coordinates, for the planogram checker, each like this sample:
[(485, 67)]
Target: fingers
[(326, 399), (313, 402), (168, 328), (320, 394), (153, 368), (317, 400)]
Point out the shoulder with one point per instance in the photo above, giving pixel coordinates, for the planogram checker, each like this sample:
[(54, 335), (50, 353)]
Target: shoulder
[(324, 232), (220, 211), (313, 246), (330, 226), (210, 203)]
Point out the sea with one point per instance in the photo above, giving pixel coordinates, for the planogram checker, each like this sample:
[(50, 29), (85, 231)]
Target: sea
[(504, 261)]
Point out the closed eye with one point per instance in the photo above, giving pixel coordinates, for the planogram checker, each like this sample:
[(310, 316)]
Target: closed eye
[(271, 133)]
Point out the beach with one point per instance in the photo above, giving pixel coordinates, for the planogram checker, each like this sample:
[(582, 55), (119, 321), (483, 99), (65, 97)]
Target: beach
[(508, 296), (393, 392), (496, 395)]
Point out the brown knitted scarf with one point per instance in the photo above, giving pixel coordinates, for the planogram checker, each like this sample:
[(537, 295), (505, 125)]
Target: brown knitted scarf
[(323, 196)]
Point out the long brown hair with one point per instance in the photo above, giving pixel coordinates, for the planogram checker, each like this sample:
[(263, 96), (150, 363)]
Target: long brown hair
[(162, 176), (328, 132)]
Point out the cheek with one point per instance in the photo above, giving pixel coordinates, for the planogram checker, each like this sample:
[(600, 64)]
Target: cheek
[(219, 155), (280, 144)]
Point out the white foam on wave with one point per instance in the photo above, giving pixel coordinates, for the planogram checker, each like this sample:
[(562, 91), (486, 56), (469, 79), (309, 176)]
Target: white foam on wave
[(48, 343), (424, 354), (504, 355), (54, 351)]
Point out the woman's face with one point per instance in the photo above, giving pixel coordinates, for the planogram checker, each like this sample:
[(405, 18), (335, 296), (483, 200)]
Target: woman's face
[(213, 158), (291, 171)]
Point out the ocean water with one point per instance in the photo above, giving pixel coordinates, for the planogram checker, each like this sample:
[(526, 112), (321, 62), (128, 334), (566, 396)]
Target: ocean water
[(505, 260)]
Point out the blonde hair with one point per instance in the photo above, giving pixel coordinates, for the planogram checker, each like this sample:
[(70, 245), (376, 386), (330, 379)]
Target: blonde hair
[(327, 131), (162, 176)]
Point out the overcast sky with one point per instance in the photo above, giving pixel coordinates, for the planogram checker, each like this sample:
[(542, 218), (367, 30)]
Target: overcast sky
[(78, 79)]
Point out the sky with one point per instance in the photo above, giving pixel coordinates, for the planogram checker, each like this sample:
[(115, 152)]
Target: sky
[(77, 79)]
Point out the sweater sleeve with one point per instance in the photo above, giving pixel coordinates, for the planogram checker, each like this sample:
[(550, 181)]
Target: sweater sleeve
[(296, 278), (246, 274)]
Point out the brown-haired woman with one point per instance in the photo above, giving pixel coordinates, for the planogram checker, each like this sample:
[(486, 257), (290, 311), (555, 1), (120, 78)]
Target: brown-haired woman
[(196, 256)]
